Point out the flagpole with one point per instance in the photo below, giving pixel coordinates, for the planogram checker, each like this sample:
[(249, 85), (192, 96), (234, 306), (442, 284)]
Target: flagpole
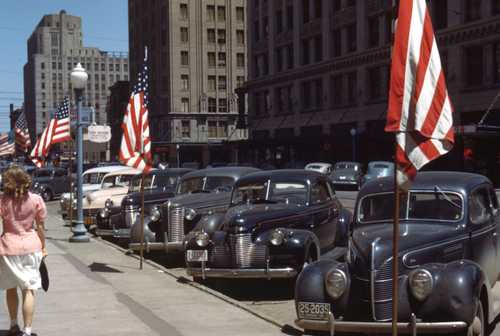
[(141, 250)]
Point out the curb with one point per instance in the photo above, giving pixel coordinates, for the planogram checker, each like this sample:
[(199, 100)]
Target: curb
[(186, 281)]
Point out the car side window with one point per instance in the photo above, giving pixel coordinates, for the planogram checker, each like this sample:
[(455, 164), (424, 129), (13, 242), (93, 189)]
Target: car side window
[(479, 206), (320, 193)]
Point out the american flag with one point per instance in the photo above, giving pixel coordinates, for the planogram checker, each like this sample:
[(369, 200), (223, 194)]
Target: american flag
[(420, 112), (42, 147), (7, 145), (135, 149), (61, 123), (22, 134)]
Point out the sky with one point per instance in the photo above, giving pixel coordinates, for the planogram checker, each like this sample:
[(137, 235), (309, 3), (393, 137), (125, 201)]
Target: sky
[(105, 26)]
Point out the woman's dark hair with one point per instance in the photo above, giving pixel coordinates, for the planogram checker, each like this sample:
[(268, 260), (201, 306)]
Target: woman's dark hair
[(16, 182)]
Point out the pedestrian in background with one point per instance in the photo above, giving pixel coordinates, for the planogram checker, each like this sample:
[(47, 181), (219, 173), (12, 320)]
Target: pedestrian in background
[(22, 245)]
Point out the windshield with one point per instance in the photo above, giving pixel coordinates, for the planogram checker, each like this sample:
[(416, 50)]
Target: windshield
[(150, 182), (438, 205), (93, 178), (206, 184), (116, 181), (190, 185), (281, 192)]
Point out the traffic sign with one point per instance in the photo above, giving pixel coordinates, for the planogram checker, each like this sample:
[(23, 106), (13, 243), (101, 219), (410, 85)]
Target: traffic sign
[(99, 133)]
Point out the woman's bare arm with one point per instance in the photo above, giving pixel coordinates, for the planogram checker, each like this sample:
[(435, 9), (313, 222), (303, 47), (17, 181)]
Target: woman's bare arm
[(40, 229)]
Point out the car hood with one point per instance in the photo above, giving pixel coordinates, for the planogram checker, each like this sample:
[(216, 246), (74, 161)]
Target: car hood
[(202, 200), (97, 198), (412, 236), (150, 196), (248, 216)]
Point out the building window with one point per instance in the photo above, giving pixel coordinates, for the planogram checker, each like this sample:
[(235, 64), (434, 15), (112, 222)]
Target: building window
[(318, 48), (211, 12), (374, 82), (44, 105), (185, 105), (184, 34), (221, 13), (305, 52), (212, 104), (495, 7), (351, 38), (337, 4), (42, 65), (240, 37), (184, 11), (440, 14), (305, 11), (474, 66), (279, 21), (318, 86), (337, 42), (185, 82), (337, 90), (240, 14), (318, 9), (222, 83), (279, 59), (211, 59), (103, 67), (496, 62), (265, 27), (267, 102), (186, 129), (352, 87), (222, 105), (289, 56), (306, 89), (184, 58), (212, 129), (289, 17), (54, 65), (472, 10), (222, 129), (373, 32), (54, 39), (240, 81), (240, 60), (211, 83), (211, 35), (221, 36), (221, 59)]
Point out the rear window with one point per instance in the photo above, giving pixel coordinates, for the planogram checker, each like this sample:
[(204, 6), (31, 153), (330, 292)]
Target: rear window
[(380, 166)]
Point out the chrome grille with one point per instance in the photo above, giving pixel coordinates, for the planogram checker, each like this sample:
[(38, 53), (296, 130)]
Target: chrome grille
[(246, 254), (175, 224), (382, 292)]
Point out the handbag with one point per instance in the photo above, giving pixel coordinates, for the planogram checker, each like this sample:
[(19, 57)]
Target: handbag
[(44, 274)]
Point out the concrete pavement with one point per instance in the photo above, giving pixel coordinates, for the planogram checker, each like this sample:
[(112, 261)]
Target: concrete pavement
[(95, 289)]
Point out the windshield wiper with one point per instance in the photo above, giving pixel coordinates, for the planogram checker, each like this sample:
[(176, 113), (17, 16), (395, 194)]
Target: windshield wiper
[(446, 197)]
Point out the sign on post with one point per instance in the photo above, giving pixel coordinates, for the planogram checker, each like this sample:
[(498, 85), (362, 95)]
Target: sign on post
[(99, 133)]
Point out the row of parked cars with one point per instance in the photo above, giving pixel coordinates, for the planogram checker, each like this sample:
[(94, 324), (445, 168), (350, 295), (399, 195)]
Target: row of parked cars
[(241, 222)]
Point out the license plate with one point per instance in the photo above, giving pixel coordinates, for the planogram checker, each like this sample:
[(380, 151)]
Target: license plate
[(197, 255), (313, 311)]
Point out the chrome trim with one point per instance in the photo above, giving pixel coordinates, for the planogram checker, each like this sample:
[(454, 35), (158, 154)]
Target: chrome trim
[(383, 327), (254, 273), (412, 274), (175, 222), (372, 275), (153, 246)]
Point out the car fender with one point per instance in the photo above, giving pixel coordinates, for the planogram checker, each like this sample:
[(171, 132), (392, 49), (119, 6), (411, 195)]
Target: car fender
[(296, 242), (210, 223), (343, 225), (456, 292), (135, 231)]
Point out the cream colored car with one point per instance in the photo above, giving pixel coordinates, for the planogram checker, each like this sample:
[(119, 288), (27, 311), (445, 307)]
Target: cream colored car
[(114, 188)]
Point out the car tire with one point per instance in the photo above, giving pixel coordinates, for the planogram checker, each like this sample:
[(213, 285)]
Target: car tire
[(47, 195), (478, 326)]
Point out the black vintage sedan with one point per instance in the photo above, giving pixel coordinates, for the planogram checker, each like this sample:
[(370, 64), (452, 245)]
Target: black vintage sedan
[(159, 186), (278, 222), (447, 261), (199, 193), (50, 182)]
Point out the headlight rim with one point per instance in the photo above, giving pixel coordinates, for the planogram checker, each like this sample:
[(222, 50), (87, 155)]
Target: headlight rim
[(202, 242), (336, 296), (104, 213), (279, 234), (411, 276), (109, 203), (155, 213), (190, 214)]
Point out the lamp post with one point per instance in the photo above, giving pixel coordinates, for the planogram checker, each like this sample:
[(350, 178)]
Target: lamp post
[(78, 79), (353, 135)]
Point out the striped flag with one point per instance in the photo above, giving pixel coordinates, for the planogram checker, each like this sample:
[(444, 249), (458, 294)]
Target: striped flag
[(135, 149), (22, 134), (42, 147), (61, 124), (7, 145), (420, 112)]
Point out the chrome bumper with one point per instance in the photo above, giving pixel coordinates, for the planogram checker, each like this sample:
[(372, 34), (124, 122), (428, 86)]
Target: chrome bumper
[(350, 182), (248, 273), (117, 233), (410, 328), (151, 246)]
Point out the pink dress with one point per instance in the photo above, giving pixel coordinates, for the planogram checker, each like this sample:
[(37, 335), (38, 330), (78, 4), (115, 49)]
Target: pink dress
[(20, 246)]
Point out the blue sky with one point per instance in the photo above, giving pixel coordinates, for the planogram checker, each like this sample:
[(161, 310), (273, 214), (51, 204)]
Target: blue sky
[(105, 25)]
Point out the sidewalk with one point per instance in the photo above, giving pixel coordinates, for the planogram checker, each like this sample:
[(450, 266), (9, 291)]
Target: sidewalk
[(97, 290)]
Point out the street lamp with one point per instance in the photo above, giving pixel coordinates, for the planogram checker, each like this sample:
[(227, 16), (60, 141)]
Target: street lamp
[(353, 135), (78, 80)]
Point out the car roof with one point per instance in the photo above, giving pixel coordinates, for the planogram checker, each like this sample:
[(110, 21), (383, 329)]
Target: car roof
[(283, 175), (235, 172), (322, 164), (125, 171), (372, 163), (104, 169), (171, 171), (446, 180)]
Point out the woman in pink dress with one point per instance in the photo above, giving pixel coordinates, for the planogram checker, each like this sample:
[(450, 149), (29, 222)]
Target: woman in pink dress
[(22, 245)]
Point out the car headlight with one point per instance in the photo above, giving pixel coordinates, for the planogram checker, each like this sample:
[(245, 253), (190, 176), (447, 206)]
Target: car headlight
[(62, 201), (277, 237), (190, 214), (108, 204), (335, 283), (104, 213), (36, 185), (155, 214), (202, 239), (421, 283)]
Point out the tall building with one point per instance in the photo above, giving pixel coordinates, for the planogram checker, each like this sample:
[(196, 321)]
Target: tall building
[(197, 58), (319, 75), (54, 49), (117, 103)]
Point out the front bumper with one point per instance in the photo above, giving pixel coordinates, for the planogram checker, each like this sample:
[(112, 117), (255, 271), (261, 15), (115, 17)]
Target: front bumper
[(346, 182), (244, 273), (160, 246), (410, 328), (116, 233)]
